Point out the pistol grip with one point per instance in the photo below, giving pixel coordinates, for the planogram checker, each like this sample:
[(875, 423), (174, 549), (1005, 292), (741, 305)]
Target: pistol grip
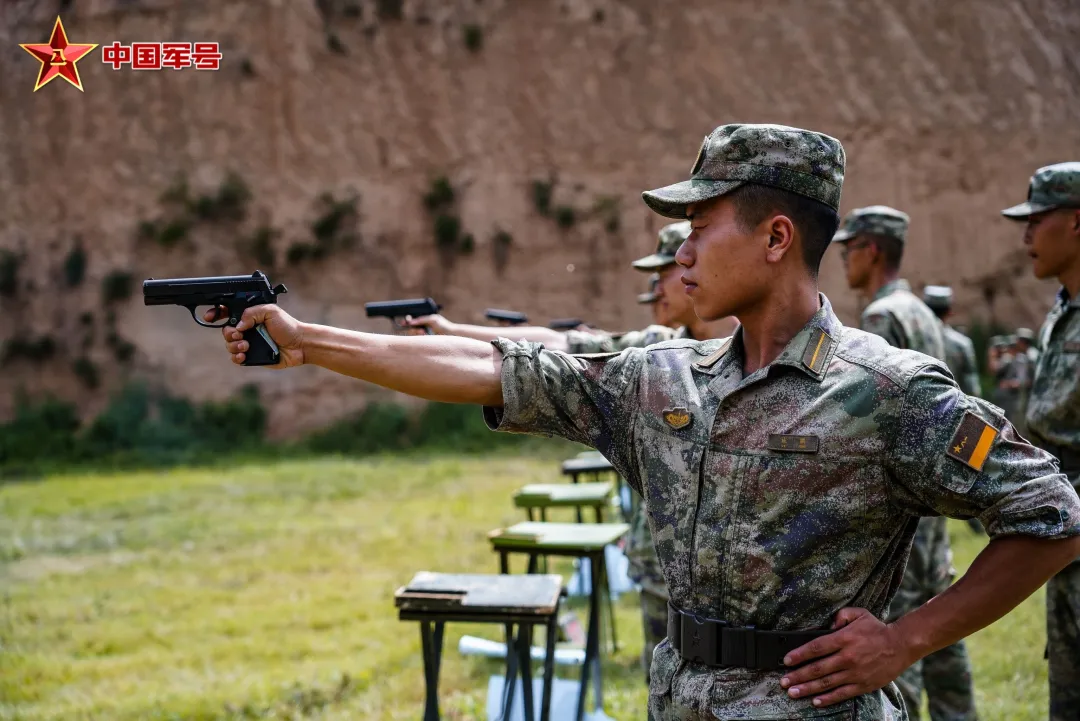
[(262, 350)]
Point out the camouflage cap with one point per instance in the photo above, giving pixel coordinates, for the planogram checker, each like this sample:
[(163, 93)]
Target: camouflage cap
[(671, 237), (792, 159), (938, 297), (1054, 186), (875, 219), (1025, 334), (650, 297)]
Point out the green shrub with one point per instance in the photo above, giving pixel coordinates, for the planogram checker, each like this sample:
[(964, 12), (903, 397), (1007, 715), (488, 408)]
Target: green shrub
[(565, 217), (331, 228), (42, 430), (177, 193), (334, 44), (229, 203), (75, 266), (457, 427), (474, 37), (542, 191), (447, 231), (9, 273), (117, 286), (147, 230), (37, 349), (173, 232), (389, 9), (262, 246), (86, 372), (379, 427), (440, 195)]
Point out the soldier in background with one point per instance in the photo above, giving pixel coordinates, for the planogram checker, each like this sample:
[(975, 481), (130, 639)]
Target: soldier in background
[(959, 350), (1001, 357), (1052, 238), (1022, 374), (872, 244)]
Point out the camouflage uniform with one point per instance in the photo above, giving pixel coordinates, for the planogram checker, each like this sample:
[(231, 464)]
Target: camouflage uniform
[(904, 321), (1053, 419), (644, 568), (959, 350), (746, 530)]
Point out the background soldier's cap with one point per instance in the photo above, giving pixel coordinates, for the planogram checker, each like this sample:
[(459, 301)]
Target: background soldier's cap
[(1025, 334), (1054, 186), (671, 237), (792, 159), (650, 297), (876, 219), (938, 297)]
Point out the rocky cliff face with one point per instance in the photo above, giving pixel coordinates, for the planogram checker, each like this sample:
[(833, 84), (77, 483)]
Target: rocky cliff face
[(329, 120)]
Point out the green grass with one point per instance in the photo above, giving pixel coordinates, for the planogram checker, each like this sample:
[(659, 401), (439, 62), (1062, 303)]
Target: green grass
[(265, 591)]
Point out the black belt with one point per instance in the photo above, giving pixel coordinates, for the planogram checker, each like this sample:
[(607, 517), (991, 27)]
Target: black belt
[(1069, 457), (717, 643)]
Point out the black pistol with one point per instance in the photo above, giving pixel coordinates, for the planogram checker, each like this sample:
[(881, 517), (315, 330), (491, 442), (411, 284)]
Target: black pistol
[(235, 293), (565, 323), (395, 309), (509, 317)]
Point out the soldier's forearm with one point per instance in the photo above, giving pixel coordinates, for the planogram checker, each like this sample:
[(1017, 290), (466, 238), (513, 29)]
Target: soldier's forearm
[(437, 368), (1006, 572), (552, 339)]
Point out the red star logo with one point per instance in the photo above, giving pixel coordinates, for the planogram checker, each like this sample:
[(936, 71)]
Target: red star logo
[(58, 57)]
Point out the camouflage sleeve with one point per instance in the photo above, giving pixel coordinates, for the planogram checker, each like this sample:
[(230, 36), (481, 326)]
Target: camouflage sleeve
[(955, 455), (590, 399), (582, 342), (882, 324)]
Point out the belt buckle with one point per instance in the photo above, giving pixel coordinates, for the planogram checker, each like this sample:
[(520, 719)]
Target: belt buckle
[(698, 639)]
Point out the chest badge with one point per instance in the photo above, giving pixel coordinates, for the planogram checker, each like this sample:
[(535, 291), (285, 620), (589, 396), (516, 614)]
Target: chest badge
[(677, 417), (793, 444)]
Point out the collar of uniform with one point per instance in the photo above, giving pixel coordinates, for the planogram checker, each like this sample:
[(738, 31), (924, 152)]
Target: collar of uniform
[(810, 350), (1066, 301), (891, 287), (812, 347)]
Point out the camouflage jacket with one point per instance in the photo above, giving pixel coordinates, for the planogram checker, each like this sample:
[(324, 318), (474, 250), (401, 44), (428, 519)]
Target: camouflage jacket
[(960, 357), (748, 531), (644, 567), (1053, 409), (897, 315)]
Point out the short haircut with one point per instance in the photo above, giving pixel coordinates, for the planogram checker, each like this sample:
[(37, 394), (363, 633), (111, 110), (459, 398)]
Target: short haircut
[(817, 222), (939, 311), (891, 249)]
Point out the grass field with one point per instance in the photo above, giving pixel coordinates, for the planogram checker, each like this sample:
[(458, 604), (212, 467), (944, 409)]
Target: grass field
[(265, 592)]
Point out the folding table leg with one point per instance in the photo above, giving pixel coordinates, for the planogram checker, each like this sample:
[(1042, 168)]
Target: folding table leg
[(594, 603), (510, 678), (525, 649), (602, 578), (549, 666), (591, 667), (431, 670)]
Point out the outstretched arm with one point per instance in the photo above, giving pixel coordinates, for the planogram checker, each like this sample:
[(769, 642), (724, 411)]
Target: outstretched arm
[(552, 339), (448, 369)]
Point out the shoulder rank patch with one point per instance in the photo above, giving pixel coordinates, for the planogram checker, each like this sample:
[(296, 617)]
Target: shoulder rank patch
[(710, 361), (817, 349), (793, 444), (677, 417), (971, 443)]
